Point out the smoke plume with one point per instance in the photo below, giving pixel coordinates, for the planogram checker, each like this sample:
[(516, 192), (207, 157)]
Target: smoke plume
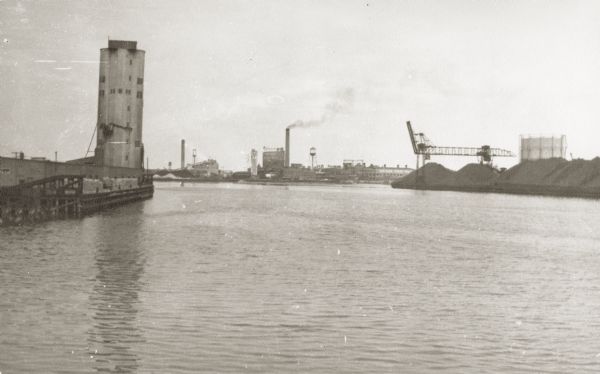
[(341, 103)]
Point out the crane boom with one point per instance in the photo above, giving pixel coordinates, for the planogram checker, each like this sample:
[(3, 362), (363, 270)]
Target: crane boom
[(412, 137), (422, 146), (467, 151)]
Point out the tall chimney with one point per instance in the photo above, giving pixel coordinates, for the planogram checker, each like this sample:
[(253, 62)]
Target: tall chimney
[(287, 147), (182, 154)]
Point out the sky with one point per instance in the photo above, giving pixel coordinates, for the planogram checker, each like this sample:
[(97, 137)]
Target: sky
[(229, 76)]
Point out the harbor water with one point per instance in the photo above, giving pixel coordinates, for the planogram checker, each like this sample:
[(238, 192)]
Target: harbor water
[(312, 279)]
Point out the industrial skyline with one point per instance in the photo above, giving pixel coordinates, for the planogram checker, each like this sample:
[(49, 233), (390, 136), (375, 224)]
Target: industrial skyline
[(469, 73), (314, 186)]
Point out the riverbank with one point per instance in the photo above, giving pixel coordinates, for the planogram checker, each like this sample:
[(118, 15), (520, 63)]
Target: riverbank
[(270, 182)]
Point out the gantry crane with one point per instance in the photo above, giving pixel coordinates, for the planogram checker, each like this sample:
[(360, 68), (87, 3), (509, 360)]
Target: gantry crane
[(424, 149)]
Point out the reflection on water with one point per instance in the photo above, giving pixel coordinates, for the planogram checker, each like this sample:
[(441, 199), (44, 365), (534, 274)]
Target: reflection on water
[(119, 263)]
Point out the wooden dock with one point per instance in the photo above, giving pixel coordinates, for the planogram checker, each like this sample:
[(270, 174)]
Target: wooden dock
[(61, 197)]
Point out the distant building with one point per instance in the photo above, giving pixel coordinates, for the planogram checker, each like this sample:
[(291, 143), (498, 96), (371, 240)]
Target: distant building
[(348, 164), (381, 174), (296, 173), (273, 160), (206, 168), (120, 105), (357, 171), (542, 147), (254, 163)]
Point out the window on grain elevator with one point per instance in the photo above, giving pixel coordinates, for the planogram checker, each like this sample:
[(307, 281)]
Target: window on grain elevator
[(101, 93), (102, 79), (120, 90), (129, 108), (140, 81), (139, 94)]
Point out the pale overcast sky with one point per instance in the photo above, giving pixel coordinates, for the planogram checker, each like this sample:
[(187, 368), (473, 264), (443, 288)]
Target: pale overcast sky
[(229, 76)]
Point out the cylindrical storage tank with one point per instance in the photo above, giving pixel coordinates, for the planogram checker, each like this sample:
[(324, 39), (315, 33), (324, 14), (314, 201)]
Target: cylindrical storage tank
[(543, 147)]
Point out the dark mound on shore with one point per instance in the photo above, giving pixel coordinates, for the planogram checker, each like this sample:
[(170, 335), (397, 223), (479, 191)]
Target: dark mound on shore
[(554, 175), (537, 172), (437, 175), (554, 172), (476, 175)]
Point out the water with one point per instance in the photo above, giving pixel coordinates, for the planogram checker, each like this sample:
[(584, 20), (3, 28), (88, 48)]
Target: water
[(234, 278)]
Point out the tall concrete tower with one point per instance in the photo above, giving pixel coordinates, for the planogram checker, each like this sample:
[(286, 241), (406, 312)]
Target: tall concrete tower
[(120, 105)]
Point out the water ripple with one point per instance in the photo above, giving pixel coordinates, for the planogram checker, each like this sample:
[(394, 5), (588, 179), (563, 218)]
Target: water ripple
[(227, 278)]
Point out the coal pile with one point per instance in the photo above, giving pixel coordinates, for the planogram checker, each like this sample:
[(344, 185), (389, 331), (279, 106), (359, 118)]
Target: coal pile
[(539, 172), (551, 176), (435, 175), (475, 175), (555, 172), (472, 175)]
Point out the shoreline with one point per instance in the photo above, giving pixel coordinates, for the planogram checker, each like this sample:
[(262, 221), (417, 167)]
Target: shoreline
[(273, 183), (512, 189)]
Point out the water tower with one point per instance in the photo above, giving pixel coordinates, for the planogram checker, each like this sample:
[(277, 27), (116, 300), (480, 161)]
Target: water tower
[(313, 153)]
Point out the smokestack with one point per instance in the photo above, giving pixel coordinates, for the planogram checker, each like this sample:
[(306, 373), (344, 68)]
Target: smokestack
[(254, 163), (287, 147), (182, 154)]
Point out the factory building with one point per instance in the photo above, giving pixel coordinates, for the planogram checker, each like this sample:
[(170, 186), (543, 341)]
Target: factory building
[(542, 147), (273, 160), (381, 174), (206, 168), (358, 172), (299, 173), (120, 105)]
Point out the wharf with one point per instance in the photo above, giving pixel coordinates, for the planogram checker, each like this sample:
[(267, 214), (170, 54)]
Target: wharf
[(62, 197)]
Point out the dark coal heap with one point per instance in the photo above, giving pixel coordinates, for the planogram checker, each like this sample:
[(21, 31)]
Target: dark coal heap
[(438, 175), (555, 172)]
